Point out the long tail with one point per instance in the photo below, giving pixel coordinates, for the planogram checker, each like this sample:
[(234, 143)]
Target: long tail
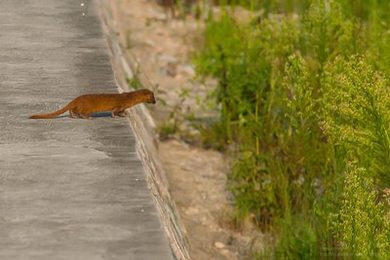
[(53, 114)]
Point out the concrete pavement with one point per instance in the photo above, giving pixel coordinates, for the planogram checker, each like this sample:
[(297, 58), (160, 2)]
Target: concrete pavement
[(69, 188)]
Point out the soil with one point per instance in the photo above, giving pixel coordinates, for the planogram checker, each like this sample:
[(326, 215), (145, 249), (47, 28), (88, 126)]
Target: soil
[(197, 177)]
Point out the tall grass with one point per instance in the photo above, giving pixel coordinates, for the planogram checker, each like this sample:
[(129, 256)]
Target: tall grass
[(304, 99)]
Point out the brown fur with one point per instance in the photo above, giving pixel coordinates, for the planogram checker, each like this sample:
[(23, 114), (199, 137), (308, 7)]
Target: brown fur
[(83, 106)]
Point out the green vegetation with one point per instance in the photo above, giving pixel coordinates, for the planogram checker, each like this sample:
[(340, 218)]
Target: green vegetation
[(134, 82), (304, 99)]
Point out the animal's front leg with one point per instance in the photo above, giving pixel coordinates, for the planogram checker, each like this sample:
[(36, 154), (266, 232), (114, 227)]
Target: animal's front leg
[(112, 114), (121, 113), (117, 112)]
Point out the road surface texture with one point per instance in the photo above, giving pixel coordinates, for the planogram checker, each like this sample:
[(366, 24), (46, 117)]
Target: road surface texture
[(69, 188)]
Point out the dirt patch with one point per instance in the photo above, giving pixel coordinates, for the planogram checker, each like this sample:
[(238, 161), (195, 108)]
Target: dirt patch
[(163, 47), (197, 177), (198, 185)]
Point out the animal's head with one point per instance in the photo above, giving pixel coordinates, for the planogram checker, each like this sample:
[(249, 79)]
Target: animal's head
[(147, 95)]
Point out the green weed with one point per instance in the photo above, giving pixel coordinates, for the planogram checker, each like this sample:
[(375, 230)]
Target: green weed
[(301, 94)]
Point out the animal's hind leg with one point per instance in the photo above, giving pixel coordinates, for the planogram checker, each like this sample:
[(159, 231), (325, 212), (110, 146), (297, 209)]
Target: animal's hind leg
[(74, 114)]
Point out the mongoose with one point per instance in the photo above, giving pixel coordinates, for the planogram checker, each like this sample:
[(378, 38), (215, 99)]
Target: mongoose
[(83, 106)]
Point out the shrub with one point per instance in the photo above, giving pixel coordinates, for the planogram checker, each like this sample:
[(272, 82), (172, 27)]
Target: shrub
[(357, 113), (363, 227), (300, 98)]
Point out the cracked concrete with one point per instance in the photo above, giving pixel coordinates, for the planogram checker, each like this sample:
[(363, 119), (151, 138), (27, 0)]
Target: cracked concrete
[(69, 188)]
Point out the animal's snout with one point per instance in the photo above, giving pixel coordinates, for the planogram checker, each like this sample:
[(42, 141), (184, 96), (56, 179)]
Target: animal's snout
[(153, 100)]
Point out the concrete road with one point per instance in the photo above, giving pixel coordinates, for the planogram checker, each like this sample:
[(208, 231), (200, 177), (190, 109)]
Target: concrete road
[(69, 188)]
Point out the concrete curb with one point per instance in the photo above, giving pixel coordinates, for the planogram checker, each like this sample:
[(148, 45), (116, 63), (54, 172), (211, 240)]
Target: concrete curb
[(143, 126)]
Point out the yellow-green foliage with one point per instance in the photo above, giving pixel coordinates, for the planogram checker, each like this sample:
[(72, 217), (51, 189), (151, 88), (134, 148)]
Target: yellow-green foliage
[(299, 95), (357, 120), (364, 227), (357, 113), (327, 32)]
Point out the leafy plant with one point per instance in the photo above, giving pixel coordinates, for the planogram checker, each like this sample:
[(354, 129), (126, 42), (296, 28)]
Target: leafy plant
[(300, 97), (363, 227), (357, 113)]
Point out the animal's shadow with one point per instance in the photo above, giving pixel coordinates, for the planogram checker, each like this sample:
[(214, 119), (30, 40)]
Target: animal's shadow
[(93, 115)]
